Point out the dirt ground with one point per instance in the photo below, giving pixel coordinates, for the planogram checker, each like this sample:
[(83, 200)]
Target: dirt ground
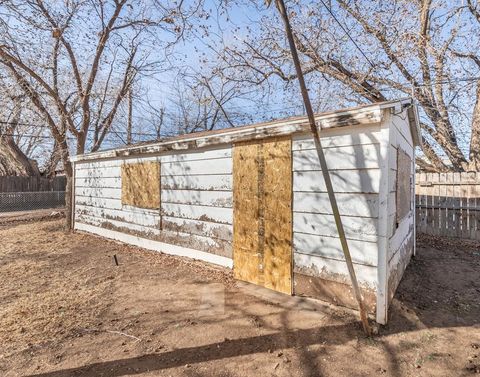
[(68, 310)]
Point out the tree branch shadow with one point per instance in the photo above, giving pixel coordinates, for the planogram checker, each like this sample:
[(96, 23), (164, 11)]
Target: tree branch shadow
[(213, 351)]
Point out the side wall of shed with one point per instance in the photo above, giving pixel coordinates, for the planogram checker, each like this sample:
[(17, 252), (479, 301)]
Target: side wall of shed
[(401, 202), (353, 155), (195, 212)]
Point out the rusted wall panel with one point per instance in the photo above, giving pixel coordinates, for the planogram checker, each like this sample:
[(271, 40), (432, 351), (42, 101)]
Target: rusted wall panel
[(332, 291), (141, 184)]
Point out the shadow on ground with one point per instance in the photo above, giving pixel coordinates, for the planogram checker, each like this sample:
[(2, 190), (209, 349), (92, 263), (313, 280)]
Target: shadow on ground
[(159, 315)]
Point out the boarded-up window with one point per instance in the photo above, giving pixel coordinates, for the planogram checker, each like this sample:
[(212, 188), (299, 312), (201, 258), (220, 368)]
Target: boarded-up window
[(404, 185), (141, 184)]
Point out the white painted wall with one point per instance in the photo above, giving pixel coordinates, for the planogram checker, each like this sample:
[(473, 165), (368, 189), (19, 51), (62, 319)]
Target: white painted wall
[(400, 245), (196, 199), (393, 240), (352, 155)]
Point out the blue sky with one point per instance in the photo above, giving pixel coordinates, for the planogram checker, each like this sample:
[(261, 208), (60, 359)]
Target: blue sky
[(194, 56)]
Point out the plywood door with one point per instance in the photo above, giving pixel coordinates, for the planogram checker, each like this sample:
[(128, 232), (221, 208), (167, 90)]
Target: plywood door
[(262, 241)]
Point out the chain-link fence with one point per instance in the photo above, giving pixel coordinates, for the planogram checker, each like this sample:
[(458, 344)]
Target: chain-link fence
[(24, 201)]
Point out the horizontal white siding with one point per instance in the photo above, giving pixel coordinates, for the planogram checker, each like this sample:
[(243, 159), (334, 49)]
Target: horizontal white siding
[(156, 245), (400, 238), (143, 218), (196, 199), (142, 229), (93, 165), (365, 181), (335, 270), (99, 182), (329, 247), (357, 228), (400, 139), (197, 155), (339, 137), (98, 202), (194, 212), (198, 167), (353, 162), (198, 182), (349, 204), (198, 227), (105, 172), (400, 134), (99, 192), (338, 158)]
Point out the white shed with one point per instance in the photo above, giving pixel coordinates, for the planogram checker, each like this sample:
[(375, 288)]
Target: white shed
[(253, 199)]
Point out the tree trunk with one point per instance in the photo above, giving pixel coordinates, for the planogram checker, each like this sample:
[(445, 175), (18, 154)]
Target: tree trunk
[(68, 203), (52, 164), (67, 166), (13, 161), (475, 139)]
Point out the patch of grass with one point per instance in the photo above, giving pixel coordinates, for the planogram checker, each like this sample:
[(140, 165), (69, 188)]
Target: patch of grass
[(435, 355), (406, 345), (427, 337)]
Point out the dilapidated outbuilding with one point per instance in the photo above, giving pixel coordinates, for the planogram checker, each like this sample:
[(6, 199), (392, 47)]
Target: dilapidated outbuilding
[(253, 199)]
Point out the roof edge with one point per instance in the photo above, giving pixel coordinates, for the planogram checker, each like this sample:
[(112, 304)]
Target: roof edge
[(362, 115)]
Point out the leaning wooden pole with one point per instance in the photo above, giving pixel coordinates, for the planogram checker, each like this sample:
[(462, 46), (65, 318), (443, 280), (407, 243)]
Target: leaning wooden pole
[(323, 164)]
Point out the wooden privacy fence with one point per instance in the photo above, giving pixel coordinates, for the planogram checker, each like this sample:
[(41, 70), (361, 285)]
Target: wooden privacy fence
[(28, 193), (32, 184), (448, 204)]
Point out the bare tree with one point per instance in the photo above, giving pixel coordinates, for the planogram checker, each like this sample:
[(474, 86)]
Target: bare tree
[(153, 118), (27, 130), (201, 103), (75, 61), (130, 116), (378, 50), (13, 161), (472, 68), (21, 140)]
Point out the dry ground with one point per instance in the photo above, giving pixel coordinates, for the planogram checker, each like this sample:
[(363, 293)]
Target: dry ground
[(68, 310)]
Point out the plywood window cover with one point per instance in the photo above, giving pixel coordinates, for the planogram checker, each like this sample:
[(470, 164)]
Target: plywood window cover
[(403, 185), (141, 184)]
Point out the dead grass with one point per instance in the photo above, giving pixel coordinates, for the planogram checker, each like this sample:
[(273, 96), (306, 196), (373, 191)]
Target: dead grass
[(46, 302), (67, 310)]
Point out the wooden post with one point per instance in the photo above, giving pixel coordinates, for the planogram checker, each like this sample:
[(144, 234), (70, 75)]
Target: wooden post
[(323, 164)]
